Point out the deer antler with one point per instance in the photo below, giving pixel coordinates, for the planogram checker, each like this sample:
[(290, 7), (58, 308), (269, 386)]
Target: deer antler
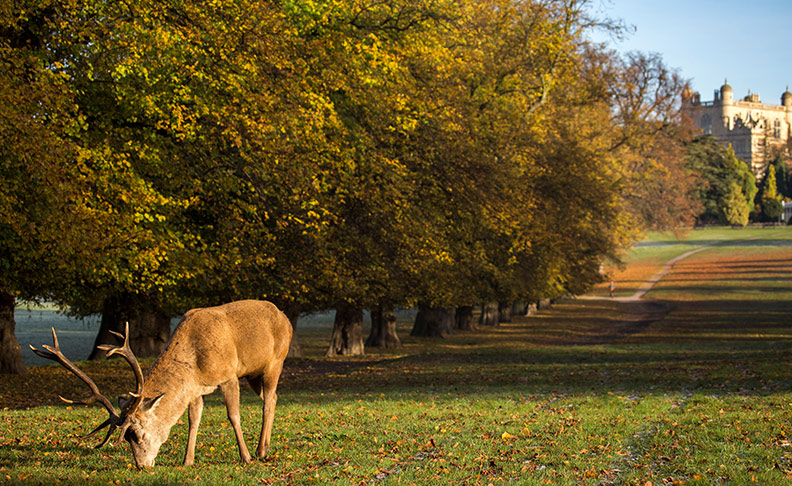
[(125, 351), (137, 397), (114, 421), (55, 354)]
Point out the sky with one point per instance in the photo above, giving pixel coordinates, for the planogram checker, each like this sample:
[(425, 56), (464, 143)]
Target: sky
[(710, 41)]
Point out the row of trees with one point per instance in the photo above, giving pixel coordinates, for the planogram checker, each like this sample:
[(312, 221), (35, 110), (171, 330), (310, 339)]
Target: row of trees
[(727, 189), (162, 155)]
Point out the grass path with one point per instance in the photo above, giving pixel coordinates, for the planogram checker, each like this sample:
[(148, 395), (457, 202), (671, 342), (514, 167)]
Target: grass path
[(637, 315), (648, 257), (662, 262)]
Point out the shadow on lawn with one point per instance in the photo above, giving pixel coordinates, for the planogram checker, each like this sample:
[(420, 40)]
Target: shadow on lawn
[(763, 264), (718, 347), (721, 243), (726, 277), (579, 347), (703, 291), (771, 269)]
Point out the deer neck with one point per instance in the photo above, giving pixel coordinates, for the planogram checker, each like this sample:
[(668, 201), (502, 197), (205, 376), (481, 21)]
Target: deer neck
[(176, 386)]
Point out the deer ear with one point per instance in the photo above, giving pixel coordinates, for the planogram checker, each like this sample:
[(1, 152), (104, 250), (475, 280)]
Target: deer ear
[(123, 402), (150, 403)]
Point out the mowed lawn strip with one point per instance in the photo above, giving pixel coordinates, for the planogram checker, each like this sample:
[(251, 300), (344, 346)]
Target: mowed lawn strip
[(750, 270), (649, 256)]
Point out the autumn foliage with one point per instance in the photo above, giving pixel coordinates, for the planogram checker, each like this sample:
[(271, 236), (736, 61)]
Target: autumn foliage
[(324, 153)]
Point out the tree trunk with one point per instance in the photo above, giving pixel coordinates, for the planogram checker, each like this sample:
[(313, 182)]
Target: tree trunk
[(148, 330), (293, 313), (347, 338), (464, 318), (383, 329), (433, 321), (149, 333), (504, 312), (10, 353), (519, 309), (544, 304), (489, 314)]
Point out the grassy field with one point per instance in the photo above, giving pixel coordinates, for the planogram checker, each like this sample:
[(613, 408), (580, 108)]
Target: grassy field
[(691, 389), (649, 256)]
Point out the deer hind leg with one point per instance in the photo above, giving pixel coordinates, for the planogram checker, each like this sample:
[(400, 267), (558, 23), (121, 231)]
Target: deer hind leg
[(267, 393), (194, 419), (230, 391)]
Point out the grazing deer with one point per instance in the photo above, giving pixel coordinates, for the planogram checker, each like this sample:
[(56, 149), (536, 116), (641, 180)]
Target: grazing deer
[(211, 348)]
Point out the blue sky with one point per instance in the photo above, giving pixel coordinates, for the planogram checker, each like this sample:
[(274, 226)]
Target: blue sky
[(708, 41)]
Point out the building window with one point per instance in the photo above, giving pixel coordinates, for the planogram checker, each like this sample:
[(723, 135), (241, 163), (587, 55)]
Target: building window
[(706, 124), (777, 129)]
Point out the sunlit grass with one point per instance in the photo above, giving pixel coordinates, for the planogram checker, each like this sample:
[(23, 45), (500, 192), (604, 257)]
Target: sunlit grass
[(590, 392), (515, 404), (650, 255), (748, 270)]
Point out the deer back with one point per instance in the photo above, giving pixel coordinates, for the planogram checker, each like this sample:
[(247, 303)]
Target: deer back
[(214, 344)]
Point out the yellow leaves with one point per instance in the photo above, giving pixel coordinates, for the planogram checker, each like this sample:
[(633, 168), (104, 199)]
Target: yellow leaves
[(148, 218)]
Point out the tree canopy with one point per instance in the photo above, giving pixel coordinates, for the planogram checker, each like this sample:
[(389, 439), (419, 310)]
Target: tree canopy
[(326, 153)]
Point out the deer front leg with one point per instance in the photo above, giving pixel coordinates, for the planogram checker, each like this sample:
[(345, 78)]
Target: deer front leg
[(230, 391), (194, 412)]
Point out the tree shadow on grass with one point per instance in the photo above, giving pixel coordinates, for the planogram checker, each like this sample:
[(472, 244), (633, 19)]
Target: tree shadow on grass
[(637, 347), (591, 346), (781, 242), (705, 291)]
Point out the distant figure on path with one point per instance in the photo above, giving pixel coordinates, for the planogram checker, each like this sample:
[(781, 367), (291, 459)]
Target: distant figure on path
[(611, 288)]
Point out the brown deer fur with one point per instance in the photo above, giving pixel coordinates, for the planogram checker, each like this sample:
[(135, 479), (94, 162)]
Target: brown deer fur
[(210, 348)]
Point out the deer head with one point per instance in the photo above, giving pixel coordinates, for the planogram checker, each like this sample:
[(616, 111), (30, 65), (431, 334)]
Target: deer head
[(135, 412)]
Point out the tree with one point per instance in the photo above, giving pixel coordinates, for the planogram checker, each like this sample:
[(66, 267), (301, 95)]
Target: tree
[(383, 329), (783, 176), (719, 170), (139, 112), (484, 148), (769, 200), (141, 256), (648, 138), (735, 209), (200, 107), (347, 337), (338, 155), (68, 200)]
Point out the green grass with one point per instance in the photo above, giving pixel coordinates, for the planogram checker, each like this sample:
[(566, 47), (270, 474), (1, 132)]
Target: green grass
[(585, 393), (757, 269)]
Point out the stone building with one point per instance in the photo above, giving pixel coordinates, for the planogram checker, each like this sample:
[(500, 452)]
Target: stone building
[(755, 130)]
